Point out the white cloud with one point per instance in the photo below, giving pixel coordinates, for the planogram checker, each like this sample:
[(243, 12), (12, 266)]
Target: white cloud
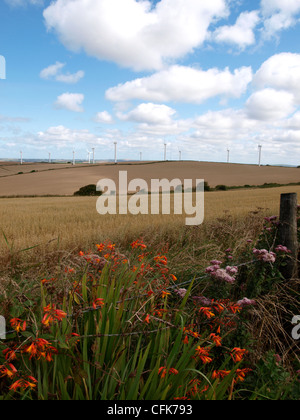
[(52, 70), (70, 101), (55, 71), (242, 33), (70, 78), (150, 114), (270, 105), (61, 136), (104, 118), (134, 33), (184, 84), (279, 15), (282, 72)]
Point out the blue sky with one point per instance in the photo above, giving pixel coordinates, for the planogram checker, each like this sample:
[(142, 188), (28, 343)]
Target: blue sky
[(201, 76)]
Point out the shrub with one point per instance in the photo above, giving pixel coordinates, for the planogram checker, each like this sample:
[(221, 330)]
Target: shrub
[(88, 190), (221, 188)]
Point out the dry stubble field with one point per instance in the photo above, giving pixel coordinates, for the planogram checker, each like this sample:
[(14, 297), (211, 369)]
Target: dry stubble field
[(69, 223)]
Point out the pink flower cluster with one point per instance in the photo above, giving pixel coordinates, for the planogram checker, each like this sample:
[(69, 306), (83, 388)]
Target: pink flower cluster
[(181, 292), (246, 302), (227, 275), (284, 249), (264, 255)]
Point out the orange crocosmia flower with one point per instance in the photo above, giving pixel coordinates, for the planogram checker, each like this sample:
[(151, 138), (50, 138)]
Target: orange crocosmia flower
[(24, 384), (9, 354), (235, 309), (100, 247), (237, 354), (220, 374), (161, 259), (52, 314), (241, 374), (207, 312), (9, 371), (174, 278), (162, 371), (164, 294), (18, 325), (216, 339), (186, 340), (98, 303), (203, 354), (138, 244), (40, 348), (147, 319)]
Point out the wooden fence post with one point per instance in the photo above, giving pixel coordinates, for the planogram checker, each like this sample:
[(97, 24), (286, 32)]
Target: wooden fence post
[(288, 233)]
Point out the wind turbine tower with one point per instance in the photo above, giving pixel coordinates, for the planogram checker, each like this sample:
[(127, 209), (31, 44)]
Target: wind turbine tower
[(180, 155), (21, 157), (259, 160), (165, 151), (73, 158), (93, 149), (89, 156), (228, 155), (115, 143)]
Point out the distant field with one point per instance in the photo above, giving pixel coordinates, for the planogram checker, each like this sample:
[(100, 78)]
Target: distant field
[(72, 222), (65, 179)]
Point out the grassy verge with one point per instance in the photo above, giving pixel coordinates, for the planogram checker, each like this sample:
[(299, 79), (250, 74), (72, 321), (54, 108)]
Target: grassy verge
[(132, 321)]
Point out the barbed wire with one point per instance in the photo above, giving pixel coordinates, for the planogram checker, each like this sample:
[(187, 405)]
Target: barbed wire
[(176, 286)]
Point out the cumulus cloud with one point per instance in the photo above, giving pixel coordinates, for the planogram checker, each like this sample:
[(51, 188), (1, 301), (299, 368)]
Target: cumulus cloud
[(242, 33), (132, 33), (282, 72), (270, 105), (104, 117), (55, 72), (184, 84), (70, 102), (279, 15), (150, 114)]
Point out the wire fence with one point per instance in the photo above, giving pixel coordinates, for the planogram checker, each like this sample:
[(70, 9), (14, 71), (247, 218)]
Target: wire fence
[(142, 295)]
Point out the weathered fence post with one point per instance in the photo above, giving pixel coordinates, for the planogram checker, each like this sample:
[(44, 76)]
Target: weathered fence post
[(288, 233)]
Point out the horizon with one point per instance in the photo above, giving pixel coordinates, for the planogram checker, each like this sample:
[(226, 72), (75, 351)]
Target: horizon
[(141, 162), (228, 79)]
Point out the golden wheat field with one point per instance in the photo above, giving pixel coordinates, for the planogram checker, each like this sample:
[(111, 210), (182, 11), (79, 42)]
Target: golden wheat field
[(72, 222)]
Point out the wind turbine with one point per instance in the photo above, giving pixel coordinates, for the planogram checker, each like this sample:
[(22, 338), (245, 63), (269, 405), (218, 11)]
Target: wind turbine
[(21, 157), (228, 155), (180, 154), (89, 156), (73, 158), (93, 149), (259, 160), (165, 151), (116, 160)]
